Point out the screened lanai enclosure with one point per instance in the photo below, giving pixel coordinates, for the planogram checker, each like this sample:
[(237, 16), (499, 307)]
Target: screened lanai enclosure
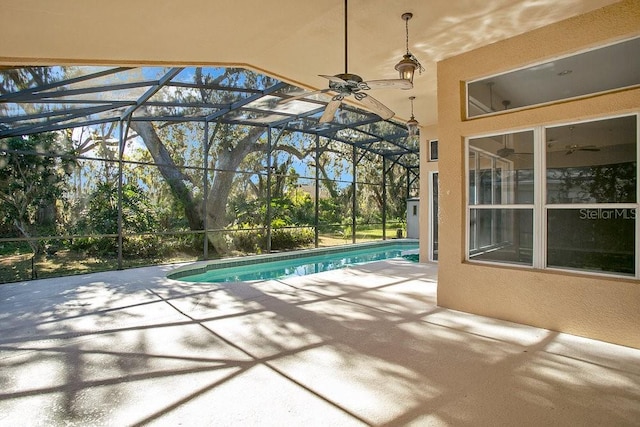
[(113, 167)]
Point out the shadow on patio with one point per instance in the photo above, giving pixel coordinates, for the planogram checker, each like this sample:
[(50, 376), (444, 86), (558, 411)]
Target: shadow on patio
[(361, 346)]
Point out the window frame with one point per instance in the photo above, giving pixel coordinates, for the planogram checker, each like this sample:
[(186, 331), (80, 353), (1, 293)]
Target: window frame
[(540, 205), (485, 206), (541, 63), (433, 149), (433, 215)]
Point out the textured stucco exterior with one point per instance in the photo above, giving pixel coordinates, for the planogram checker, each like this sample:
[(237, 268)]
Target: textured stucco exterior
[(602, 308)]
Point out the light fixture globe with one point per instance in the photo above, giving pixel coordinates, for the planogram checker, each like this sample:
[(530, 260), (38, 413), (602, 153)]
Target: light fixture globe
[(412, 126), (407, 67), (412, 123)]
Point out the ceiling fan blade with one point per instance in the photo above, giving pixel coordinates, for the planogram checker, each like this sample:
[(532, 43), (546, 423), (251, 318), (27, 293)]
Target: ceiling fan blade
[(588, 148), (389, 84), (573, 148), (303, 95), (376, 106), (330, 111), (334, 79)]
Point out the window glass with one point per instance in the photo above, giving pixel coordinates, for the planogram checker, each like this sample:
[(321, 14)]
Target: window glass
[(564, 78), (433, 151), (524, 179), (501, 235), (587, 210), (434, 218), (472, 178), (495, 163), (485, 180), (592, 162), (594, 239)]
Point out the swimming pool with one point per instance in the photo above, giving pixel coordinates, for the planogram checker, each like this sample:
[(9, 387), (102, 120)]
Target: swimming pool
[(299, 263)]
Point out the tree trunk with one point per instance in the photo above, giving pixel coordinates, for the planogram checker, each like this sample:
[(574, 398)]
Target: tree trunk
[(33, 244), (171, 173), (226, 165), (47, 214)]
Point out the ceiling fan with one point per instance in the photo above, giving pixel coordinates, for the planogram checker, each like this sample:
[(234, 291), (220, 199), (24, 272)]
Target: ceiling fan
[(575, 147), (505, 151), (347, 84), (571, 147), (508, 152)]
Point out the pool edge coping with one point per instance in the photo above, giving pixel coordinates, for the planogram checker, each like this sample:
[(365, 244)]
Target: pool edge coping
[(200, 267)]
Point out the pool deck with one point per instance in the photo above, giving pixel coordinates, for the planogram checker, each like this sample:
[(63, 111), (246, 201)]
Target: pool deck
[(365, 345)]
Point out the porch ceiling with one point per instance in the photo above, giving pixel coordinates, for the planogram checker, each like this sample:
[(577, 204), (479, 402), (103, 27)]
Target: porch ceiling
[(292, 40)]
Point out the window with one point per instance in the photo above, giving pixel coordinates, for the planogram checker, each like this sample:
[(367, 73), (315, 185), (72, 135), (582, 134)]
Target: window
[(433, 217), (500, 198), (433, 151), (564, 78), (557, 197), (592, 195)]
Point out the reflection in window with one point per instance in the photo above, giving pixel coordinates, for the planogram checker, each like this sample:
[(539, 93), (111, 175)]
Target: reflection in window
[(497, 166), (472, 178), (486, 181), (500, 231), (564, 78), (593, 239), (434, 217), (433, 151), (586, 210), (588, 165), (592, 162), (524, 186), (501, 235)]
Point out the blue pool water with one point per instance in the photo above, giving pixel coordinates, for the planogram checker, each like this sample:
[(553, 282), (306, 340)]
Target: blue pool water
[(311, 264)]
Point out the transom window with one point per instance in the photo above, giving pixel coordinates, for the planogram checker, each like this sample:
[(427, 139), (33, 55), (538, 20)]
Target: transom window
[(556, 197), (570, 77)]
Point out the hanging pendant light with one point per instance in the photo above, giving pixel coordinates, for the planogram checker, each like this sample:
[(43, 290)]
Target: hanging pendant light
[(409, 63), (412, 123)]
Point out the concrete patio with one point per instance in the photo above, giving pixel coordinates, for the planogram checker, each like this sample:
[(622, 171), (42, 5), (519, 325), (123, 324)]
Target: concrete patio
[(361, 346)]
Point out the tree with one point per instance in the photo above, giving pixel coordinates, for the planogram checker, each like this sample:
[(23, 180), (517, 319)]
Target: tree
[(32, 178), (175, 149), (102, 214), (613, 183)]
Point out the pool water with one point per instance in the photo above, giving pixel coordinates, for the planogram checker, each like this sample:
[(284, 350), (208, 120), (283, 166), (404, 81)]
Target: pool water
[(302, 266)]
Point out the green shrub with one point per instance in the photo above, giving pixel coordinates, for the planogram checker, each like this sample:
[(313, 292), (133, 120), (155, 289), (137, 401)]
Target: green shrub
[(249, 241), (291, 238), (147, 247), (139, 247), (14, 248), (182, 243), (96, 246)]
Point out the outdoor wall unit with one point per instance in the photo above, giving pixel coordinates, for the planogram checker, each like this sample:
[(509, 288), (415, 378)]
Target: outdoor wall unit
[(413, 222)]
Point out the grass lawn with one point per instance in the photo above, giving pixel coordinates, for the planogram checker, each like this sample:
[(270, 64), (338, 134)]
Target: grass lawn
[(16, 267)]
